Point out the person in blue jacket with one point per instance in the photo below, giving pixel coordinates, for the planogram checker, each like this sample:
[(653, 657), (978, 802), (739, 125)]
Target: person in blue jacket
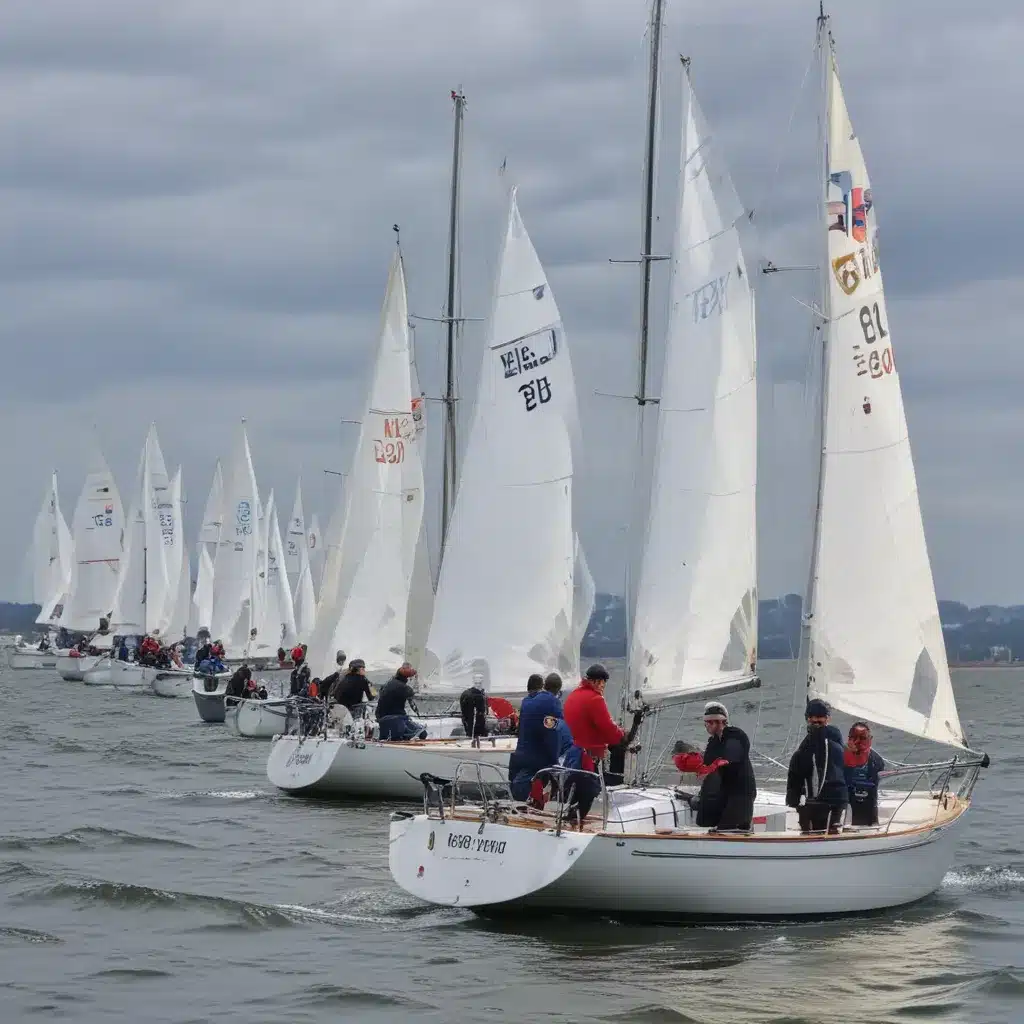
[(538, 744), (862, 767), (816, 773)]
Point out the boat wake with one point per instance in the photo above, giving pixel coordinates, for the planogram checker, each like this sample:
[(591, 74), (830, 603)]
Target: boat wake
[(983, 879), (385, 908), (88, 836)]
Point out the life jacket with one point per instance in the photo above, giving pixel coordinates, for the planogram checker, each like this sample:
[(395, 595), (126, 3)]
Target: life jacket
[(314, 689)]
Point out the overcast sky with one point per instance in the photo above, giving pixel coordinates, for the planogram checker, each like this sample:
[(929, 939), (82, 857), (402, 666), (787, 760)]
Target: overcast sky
[(196, 201)]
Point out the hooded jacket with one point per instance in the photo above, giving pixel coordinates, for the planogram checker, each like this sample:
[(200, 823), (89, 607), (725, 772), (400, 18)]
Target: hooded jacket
[(816, 769), (587, 715)]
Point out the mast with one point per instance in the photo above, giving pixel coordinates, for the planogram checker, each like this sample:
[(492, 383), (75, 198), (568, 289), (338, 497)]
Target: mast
[(825, 48), (451, 319), (650, 162), (646, 258)]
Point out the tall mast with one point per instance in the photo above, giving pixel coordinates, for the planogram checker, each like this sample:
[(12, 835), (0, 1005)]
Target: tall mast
[(650, 162), (451, 319), (825, 53)]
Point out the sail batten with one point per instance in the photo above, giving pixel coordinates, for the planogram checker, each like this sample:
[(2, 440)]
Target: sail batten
[(876, 648)]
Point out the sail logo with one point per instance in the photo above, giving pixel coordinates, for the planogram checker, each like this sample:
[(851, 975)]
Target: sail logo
[(243, 518), (520, 356), (711, 298)]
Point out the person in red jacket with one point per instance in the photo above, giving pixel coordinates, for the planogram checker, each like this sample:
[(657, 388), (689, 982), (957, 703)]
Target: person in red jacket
[(588, 717)]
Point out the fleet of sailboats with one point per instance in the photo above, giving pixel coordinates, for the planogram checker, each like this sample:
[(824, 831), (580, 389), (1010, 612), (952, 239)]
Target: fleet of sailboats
[(512, 595)]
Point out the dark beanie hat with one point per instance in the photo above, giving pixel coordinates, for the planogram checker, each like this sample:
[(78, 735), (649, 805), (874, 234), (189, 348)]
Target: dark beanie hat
[(597, 672), (817, 709)]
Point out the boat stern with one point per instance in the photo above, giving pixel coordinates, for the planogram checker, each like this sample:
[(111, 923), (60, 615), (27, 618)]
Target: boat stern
[(459, 863)]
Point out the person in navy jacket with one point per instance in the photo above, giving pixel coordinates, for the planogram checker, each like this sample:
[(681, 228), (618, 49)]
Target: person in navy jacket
[(862, 766)]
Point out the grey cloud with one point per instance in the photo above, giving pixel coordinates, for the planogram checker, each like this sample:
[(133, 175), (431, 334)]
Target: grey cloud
[(197, 201)]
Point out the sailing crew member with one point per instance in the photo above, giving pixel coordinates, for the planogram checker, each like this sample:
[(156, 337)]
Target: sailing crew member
[(395, 723), (816, 772), (300, 674), (350, 689), (238, 683), (728, 801), (862, 766), (553, 685), (537, 745), (329, 682), (473, 708)]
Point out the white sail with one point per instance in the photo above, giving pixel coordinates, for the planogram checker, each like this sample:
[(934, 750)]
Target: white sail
[(584, 596), (876, 647), (363, 603), (234, 569), (695, 624), (201, 613), (296, 544), (305, 602), (176, 557), (317, 550), (420, 608), (504, 602), (277, 580), (213, 514), (97, 532), (128, 613), (51, 556)]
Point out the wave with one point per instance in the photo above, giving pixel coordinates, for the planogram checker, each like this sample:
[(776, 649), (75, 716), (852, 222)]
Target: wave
[(131, 973), (218, 794), (26, 934), (972, 878), (89, 836), (127, 896), (326, 995), (382, 907)]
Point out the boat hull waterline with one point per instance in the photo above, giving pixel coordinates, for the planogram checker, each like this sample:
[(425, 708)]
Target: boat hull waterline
[(506, 868), (334, 766)]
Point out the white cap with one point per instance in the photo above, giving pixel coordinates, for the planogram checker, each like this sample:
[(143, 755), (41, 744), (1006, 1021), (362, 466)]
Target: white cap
[(714, 707)]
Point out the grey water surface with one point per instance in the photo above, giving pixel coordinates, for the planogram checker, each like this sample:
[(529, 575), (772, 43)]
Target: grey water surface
[(149, 872)]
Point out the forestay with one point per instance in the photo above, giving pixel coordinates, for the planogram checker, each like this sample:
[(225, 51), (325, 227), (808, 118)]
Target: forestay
[(695, 625), (504, 604), (97, 529), (51, 556), (876, 647), (364, 598), (234, 569)]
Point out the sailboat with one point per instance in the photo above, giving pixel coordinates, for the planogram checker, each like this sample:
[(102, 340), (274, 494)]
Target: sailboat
[(642, 852), (97, 530), (51, 578), (501, 611)]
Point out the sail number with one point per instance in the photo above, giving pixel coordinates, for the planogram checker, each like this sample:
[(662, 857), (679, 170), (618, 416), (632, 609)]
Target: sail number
[(872, 357), (535, 392), (390, 449), (460, 841)]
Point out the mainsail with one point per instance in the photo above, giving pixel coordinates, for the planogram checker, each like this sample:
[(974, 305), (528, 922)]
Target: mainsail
[(295, 536), (876, 649), (364, 597), (235, 587), (97, 530), (504, 603), (51, 556), (213, 514), (695, 626)]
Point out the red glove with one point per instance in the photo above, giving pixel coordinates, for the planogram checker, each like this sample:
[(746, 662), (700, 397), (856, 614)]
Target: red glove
[(707, 769), (692, 762)]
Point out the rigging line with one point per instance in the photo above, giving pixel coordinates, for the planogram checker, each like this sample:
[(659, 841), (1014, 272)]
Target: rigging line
[(783, 147)]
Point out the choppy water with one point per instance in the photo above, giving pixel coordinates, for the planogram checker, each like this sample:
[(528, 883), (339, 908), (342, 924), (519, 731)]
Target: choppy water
[(148, 872)]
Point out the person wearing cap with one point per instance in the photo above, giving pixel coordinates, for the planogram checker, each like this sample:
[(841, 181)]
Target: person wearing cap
[(395, 694), (816, 773), (300, 674), (352, 688), (726, 800), (589, 719), (862, 767), (329, 682)]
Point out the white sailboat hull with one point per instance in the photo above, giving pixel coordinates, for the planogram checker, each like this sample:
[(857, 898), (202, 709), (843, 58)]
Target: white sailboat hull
[(210, 701), (126, 675), (99, 674), (74, 669), (169, 682), (24, 656), (259, 719), (508, 868), (334, 766)]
